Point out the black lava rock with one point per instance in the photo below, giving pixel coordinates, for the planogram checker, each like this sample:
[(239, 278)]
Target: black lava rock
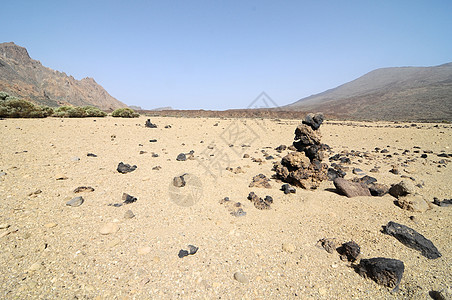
[(148, 124), (444, 203), (384, 271), (314, 120), (125, 168), (350, 251), (128, 198), (287, 188), (412, 239), (181, 157)]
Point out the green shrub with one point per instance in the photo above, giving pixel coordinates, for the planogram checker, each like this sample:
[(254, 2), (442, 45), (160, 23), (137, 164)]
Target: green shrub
[(11, 107), (78, 112), (125, 113), (3, 95)]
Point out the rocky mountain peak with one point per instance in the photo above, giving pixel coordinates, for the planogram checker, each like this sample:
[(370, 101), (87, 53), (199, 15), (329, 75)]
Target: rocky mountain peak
[(14, 52)]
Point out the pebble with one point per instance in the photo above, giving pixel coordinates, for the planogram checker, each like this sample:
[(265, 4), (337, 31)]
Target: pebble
[(34, 267), (76, 201), (109, 228), (144, 250), (288, 247), (129, 214), (113, 243), (75, 158), (240, 278), (50, 225)]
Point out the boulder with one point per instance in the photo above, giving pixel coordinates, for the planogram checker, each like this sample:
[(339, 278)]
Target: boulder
[(350, 189), (402, 188), (414, 203), (384, 271)]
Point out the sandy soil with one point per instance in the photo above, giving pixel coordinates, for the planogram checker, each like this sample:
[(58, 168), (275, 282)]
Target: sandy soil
[(53, 251)]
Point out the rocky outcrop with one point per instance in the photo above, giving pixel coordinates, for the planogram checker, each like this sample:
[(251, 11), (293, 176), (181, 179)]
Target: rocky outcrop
[(304, 167), (24, 77)]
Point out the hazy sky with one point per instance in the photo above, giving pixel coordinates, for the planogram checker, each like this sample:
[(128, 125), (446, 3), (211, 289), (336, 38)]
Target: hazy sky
[(223, 54)]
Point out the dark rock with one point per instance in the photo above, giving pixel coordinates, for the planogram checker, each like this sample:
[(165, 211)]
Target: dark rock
[(128, 198), (366, 180), (75, 202), (81, 189), (424, 155), (258, 202), (333, 174), (91, 155), (281, 148), (287, 188), (142, 152), (260, 180), (269, 157), (314, 120), (350, 189), (153, 141), (148, 124), (125, 168), (378, 189), (235, 208), (168, 126), (182, 253), (358, 171), (402, 188), (179, 181), (156, 168), (412, 239), (192, 249), (384, 271), (349, 251), (181, 157), (444, 203)]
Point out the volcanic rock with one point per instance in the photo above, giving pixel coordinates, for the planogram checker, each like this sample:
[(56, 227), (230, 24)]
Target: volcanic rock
[(148, 124), (125, 168), (260, 180), (415, 203), (349, 251), (384, 271), (350, 189), (314, 120), (288, 189), (402, 188), (412, 239), (259, 203)]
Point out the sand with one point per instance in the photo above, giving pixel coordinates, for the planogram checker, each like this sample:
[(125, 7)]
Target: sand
[(53, 251)]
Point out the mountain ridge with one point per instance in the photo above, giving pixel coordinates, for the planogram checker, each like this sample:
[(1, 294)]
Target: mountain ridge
[(24, 77)]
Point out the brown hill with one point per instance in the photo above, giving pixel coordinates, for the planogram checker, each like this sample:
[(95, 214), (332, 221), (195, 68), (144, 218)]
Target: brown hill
[(27, 78), (405, 93)]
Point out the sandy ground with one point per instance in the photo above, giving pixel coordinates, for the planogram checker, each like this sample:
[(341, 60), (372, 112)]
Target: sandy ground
[(53, 251)]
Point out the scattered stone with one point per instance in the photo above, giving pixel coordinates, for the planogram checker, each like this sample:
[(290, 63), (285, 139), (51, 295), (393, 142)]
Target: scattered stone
[(394, 170), (329, 244), (235, 170), (181, 157), (349, 251), (75, 158), (444, 203), (168, 126), (125, 168), (246, 155), (142, 152), (412, 239), (235, 208), (179, 181), (366, 180), (109, 228), (91, 155), (127, 199), (191, 251), (281, 148), (358, 172), (240, 278), (76, 201), (37, 192), (350, 189), (378, 189), (402, 188), (61, 177), (288, 247), (156, 168), (259, 203), (288, 189), (333, 174), (81, 189), (50, 225), (152, 141), (148, 124), (260, 180), (314, 120), (415, 203), (384, 271), (129, 214)]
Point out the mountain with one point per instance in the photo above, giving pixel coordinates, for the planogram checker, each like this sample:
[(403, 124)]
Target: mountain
[(27, 78), (402, 93)]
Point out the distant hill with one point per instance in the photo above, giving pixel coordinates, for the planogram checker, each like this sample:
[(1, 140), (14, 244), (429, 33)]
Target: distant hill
[(27, 78), (404, 93)]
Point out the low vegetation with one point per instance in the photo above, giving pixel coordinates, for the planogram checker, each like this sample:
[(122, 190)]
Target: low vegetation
[(125, 113), (12, 107)]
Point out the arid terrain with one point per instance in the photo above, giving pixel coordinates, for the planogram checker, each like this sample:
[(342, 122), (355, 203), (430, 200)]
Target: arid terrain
[(99, 250)]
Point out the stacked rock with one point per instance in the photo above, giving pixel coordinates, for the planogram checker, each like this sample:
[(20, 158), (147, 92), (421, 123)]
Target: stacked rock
[(304, 167)]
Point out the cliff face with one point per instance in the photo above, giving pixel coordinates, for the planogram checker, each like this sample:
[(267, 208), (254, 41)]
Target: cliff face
[(27, 78)]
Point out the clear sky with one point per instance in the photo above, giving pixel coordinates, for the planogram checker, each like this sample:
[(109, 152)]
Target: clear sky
[(223, 54)]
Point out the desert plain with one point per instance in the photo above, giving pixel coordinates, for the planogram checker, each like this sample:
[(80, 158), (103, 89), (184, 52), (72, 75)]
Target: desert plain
[(99, 250)]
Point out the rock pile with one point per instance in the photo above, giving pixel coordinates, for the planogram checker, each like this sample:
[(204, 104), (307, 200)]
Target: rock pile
[(304, 167)]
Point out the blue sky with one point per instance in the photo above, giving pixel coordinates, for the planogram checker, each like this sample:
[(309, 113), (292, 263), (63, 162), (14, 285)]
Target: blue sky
[(223, 54)]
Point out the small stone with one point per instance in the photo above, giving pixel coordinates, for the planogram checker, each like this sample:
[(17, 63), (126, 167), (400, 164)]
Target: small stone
[(246, 155), (349, 251), (75, 159), (181, 157), (109, 228), (129, 214), (179, 181), (128, 198), (76, 201), (414, 203), (91, 155), (81, 189), (50, 225), (240, 278), (153, 141), (260, 180), (125, 168), (192, 249), (402, 188), (288, 247), (384, 271), (61, 177), (444, 294), (182, 253), (144, 250), (156, 168), (329, 244), (113, 243)]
